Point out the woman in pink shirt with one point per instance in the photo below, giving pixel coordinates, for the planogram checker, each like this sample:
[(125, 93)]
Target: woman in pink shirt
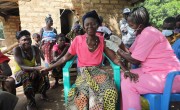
[(156, 58), (94, 87)]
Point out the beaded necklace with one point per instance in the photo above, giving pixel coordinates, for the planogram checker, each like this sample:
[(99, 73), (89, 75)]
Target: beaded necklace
[(94, 46)]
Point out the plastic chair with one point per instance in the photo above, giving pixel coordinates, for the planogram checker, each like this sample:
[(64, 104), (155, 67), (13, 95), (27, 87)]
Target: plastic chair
[(162, 101), (66, 78)]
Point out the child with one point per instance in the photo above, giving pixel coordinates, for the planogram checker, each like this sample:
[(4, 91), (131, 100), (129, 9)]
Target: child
[(59, 51), (37, 42), (37, 39)]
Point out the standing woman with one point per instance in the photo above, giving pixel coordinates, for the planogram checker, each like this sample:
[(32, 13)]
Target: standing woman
[(94, 89), (156, 58), (48, 36)]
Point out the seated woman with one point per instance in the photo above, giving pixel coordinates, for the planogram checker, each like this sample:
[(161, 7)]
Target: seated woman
[(27, 69), (156, 58), (94, 89), (8, 83), (59, 50)]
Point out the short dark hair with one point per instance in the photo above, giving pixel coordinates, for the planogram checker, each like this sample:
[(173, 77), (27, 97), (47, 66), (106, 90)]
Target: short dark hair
[(140, 15), (170, 20), (35, 35), (169, 23), (22, 33)]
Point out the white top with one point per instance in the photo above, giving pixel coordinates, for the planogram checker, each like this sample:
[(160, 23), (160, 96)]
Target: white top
[(128, 35), (104, 29)]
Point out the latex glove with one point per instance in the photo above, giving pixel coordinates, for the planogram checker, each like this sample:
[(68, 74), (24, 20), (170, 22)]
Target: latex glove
[(115, 39), (111, 45)]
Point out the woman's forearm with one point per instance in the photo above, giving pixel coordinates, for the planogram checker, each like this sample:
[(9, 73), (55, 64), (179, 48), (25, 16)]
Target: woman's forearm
[(127, 56), (58, 63), (61, 61), (123, 67), (27, 68)]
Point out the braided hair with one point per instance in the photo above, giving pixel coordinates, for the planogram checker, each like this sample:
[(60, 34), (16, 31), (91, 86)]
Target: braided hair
[(48, 18), (140, 15)]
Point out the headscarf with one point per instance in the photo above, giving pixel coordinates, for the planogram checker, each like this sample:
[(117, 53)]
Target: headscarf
[(91, 14), (48, 18), (19, 34)]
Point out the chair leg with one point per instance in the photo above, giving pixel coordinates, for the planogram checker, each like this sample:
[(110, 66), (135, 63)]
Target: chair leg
[(154, 101)]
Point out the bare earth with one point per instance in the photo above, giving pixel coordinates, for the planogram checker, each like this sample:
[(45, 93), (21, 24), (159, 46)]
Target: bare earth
[(56, 100)]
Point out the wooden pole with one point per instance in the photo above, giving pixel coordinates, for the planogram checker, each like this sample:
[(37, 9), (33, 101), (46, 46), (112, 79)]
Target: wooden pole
[(10, 48)]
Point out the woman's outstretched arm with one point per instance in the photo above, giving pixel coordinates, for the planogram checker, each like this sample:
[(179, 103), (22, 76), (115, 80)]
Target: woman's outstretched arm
[(61, 61)]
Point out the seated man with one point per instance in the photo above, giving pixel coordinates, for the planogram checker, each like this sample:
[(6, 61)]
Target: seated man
[(8, 83), (27, 69), (128, 34), (168, 29)]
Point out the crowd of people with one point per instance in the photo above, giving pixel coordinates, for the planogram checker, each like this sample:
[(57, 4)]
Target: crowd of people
[(143, 46)]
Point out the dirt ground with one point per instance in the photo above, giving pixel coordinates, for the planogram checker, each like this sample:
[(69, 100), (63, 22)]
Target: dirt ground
[(56, 99)]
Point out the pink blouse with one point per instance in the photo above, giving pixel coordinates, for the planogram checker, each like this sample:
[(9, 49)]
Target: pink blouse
[(85, 57), (154, 52)]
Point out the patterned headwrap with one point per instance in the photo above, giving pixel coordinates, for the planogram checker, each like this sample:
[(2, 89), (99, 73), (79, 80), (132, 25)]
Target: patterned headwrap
[(48, 18), (19, 34), (91, 14)]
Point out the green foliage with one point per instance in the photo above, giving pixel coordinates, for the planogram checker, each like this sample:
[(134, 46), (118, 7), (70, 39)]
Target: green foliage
[(160, 9)]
